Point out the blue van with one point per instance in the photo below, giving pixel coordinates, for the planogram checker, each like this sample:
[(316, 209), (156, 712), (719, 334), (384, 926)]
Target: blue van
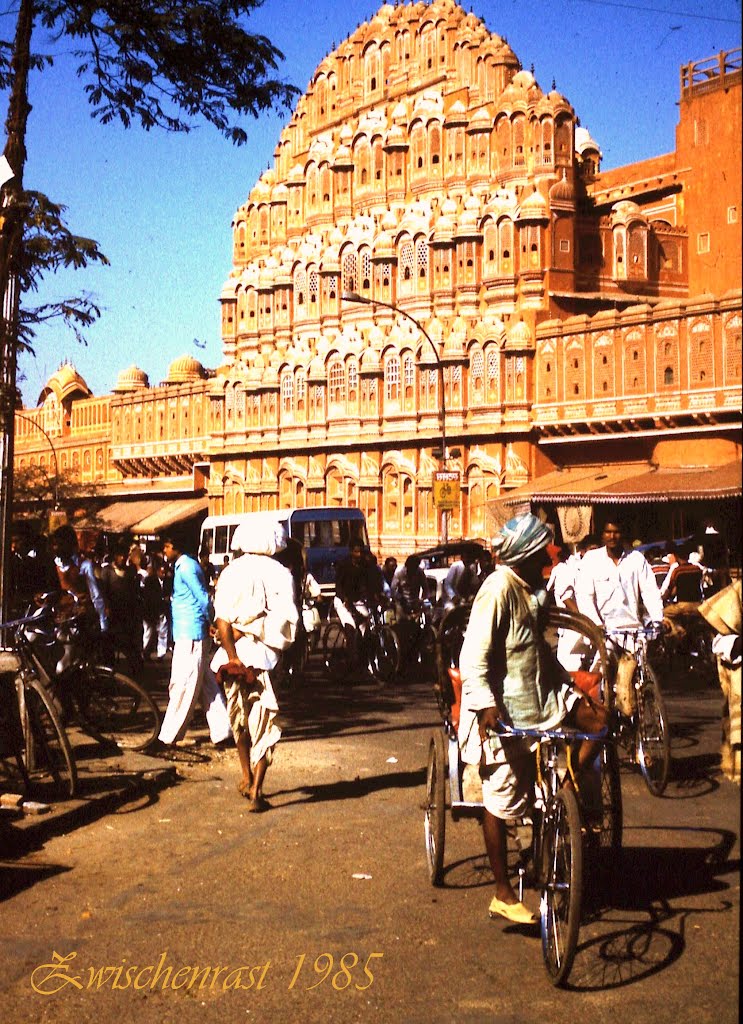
[(325, 534)]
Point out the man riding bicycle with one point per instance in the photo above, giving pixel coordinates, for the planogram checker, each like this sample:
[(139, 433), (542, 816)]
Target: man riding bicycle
[(509, 675), (355, 590)]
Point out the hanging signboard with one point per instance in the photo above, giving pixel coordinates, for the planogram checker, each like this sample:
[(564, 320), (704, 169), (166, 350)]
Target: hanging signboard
[(57, 517), (446, 489)]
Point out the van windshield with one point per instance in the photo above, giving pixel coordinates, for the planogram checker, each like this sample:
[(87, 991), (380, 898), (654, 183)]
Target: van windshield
[(328, 533)]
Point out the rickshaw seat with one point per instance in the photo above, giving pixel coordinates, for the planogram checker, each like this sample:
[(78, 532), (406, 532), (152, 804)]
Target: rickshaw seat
[(456, 685), (588, 682)]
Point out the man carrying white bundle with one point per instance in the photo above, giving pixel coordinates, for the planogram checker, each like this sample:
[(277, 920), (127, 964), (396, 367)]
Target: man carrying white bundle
[(256, 619)]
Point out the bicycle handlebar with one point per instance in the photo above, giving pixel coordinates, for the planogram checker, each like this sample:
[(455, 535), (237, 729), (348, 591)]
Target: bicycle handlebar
[(568, 735), (651, 632)]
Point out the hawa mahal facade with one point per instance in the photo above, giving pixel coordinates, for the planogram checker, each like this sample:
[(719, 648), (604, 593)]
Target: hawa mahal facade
[(585, 324)]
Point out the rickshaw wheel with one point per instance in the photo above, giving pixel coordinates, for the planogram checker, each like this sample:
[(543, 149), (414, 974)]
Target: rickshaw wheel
[(435, 808)]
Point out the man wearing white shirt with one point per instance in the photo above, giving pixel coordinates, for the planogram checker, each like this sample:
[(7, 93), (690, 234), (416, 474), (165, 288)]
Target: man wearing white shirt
[(616, 588)]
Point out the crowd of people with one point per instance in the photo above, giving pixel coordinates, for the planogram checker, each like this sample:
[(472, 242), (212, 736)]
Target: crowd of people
[(145, 604)]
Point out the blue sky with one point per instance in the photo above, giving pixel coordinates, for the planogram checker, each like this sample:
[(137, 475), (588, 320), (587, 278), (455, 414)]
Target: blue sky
[(160, 205)]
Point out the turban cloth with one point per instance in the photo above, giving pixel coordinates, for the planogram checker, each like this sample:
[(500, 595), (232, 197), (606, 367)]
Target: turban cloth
[(520, 538), (262, 537)]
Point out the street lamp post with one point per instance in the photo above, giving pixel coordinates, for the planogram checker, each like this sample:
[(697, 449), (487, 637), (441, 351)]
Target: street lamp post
[(364, 301), (28, 419)]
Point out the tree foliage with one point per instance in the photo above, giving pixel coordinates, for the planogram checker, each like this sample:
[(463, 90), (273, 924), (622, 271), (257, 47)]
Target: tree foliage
[(48, 246), (166, 63), (156, 63)]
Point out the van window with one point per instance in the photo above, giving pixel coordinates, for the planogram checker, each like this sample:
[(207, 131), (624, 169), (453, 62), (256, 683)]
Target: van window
[(221, 540), (328, 533)]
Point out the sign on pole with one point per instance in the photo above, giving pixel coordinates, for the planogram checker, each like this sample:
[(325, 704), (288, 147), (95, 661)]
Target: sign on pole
[(446, 489)]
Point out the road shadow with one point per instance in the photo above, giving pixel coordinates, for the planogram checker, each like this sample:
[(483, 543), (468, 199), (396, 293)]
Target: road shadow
[(633, 926), (99, 794), (16, 878), (318, 709), (350, 789)]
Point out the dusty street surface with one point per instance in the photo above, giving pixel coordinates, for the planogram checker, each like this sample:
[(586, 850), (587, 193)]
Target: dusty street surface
[(321, 909)]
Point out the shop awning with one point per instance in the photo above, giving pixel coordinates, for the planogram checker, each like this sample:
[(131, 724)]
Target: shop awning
[(629, 483), (150, 515), (171, 512), (122, 515)]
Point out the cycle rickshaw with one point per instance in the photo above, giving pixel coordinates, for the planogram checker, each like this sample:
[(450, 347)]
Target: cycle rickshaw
[(565, 822)]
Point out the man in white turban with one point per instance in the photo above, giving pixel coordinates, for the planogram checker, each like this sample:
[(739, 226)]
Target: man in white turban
[(256, 618), (509, 675)]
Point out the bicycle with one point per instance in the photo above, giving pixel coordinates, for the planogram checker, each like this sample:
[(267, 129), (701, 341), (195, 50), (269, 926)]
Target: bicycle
[(107, 705), (373, 648), (36, 730), (568, 820), (644, 724), (417, 637)]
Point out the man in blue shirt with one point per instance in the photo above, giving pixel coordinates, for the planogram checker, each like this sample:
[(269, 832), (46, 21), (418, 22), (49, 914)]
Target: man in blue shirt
[(190, 675)]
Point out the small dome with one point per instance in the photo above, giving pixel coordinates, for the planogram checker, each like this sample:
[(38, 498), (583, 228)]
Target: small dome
[(64, 383), (625, 212), (519, 336), (370, 360), (523, 80), (343, 158), (185, 369), (316, 373), (480, 121), (131, 379), (562, 191), (534, 207), (584, 142), (395, 138)]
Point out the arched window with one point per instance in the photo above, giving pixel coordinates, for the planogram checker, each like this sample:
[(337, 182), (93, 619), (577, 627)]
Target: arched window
[(477, 375), (421, 264), (392, 378), (505, 248), (519, 141), (407, 268), (337, 383), (349, 272), (313, 289), (493, 373), (408, 375), (300, 393), (287, 393), (300, 293), (434, 149), (365, 278), (353, 382)]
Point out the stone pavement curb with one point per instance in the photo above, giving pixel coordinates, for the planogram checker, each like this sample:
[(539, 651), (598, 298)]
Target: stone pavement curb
[(104, 786)]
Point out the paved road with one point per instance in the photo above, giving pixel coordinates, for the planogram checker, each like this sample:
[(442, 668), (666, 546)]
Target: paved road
[(337, 869)]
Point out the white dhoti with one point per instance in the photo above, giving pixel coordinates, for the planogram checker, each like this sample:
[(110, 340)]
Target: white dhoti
[(252, 709), (191, 678)]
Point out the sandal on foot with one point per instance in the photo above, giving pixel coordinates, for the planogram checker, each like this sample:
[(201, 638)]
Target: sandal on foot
[(243, 789), (515, 912)]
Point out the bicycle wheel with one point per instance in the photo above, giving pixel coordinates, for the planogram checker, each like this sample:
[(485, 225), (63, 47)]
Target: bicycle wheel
[(112, 707), (653, 739), (384, 662), (49, 758), (336, 653), (427, 647), (294, 662), (610, 836), (562, 885), (435, 808)]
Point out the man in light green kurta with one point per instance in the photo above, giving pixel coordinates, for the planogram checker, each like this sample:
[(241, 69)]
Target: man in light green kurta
[(509, 675)]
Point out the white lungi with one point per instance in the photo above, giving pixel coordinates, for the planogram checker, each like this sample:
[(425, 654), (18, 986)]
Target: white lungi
[(191, 678)]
